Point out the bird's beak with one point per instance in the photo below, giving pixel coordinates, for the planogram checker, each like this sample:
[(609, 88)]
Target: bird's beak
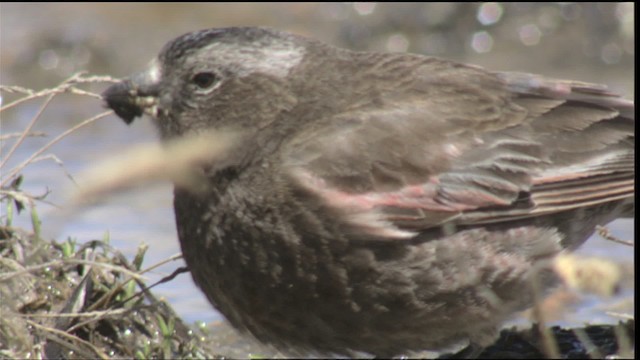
[(135, 95)]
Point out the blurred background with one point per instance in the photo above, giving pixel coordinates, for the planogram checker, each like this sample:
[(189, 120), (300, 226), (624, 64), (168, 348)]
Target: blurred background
[(42, 44)]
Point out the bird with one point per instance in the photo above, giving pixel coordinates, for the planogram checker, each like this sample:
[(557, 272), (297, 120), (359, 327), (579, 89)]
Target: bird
[(378, 203)]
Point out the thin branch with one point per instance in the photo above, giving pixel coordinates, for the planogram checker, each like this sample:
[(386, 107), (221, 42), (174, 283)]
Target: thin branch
[(171, 258), (56, 263), (78, 314), (606, 234), (19, 168), (68, 336), (26, 131), (4, 137), (65, 86)]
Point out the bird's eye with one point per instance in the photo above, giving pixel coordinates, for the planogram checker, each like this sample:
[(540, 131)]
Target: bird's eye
[(204, 80)]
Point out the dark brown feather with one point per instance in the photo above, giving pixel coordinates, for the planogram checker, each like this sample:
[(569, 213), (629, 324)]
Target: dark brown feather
[(484, 147)]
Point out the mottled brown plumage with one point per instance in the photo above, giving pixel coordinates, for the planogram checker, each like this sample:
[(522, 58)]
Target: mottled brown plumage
[(379, 202)]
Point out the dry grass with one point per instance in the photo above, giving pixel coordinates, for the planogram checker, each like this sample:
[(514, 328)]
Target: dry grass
[(142, 164), (73, 299)]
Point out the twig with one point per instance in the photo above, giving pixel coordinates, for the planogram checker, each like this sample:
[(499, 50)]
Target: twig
[(606, 234), (620, 315), (625, 348), (549, 344), (26, 131), (65, 86), (171, 258), (78, 314), (19, 168), (55, 263), (4, 137), (589, 347), (70, 337)]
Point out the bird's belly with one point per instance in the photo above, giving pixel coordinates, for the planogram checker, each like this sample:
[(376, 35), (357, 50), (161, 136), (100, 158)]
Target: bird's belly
[(293, 289)]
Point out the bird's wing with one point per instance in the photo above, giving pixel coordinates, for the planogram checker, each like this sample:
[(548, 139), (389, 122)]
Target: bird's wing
[(467, 146)]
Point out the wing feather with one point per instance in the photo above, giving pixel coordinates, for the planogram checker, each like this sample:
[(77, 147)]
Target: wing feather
[(483, 148)]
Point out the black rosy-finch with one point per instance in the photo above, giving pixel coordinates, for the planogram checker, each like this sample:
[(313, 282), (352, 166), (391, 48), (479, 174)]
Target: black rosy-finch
[(379, 202)]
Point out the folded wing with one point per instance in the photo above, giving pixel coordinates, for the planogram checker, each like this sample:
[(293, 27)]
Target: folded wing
[(458, 144)]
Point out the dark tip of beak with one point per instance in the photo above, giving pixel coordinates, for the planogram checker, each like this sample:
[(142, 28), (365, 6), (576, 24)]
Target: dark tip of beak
[(120, 99)]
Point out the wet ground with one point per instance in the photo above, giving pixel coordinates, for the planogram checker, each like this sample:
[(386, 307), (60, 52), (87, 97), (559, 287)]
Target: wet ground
[(41, 44)]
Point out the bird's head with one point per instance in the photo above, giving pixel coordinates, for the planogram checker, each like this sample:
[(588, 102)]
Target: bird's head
[(237, 78)]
